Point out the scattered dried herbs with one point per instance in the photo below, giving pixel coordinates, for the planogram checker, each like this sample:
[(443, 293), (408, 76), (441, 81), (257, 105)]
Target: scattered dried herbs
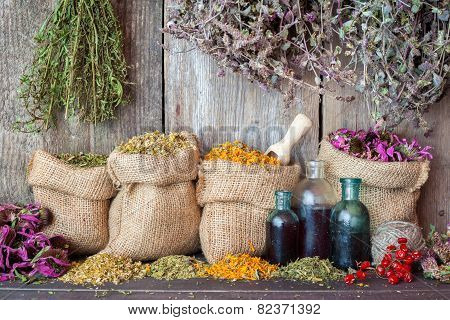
[(240, 267), (78, 66), (83, 160), (102, 268), (378, 145), (156, 143), (241, 153), (26, 253), (175, 267), (436, 258), (312, 270)]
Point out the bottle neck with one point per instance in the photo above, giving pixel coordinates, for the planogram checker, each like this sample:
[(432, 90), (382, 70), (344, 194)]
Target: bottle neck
[(315, 172), (283, 202), (350, 191)]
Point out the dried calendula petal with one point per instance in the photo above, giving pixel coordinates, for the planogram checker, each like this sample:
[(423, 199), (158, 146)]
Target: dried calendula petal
[(83, 160), (156, 143), (241, 267), (103, 268), (241, 153)]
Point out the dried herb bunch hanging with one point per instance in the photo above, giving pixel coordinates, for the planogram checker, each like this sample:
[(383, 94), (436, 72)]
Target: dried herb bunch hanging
[(403, 48), (267, 41), (78, 67)]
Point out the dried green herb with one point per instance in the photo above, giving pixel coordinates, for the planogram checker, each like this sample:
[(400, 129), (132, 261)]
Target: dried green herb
[(268, 41), (156, 143), (103, 268), (83, 160), (78, 67), (403, 49), (312, 270), (175, 267)]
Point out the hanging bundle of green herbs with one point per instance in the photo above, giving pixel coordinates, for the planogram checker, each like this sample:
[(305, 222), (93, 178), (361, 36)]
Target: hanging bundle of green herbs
[(78, 68), (267, 41), (403, 49)]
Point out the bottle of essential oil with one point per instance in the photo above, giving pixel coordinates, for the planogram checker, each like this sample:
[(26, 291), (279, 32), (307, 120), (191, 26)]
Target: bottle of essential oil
[(282, 228), (350, 227), (313, 200)]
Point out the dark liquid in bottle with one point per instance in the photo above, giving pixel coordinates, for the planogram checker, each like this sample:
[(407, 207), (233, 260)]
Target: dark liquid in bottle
[(349, 248), (282, 239), (314, 237)]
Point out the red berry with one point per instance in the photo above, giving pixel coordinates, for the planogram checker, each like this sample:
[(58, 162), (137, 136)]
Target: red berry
[(409, 259), (404, 247), (416, 255), (406, 268), (365, 265), (349, 279), (402, 240), (391, 247), (396, 265), (361, 275), (385, 263), (400, 254), (390, 272), (381, 271), (393, 279), (408, 277)]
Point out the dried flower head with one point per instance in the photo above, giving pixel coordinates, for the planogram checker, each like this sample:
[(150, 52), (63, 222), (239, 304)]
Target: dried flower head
[(240, 153), (157, 143)]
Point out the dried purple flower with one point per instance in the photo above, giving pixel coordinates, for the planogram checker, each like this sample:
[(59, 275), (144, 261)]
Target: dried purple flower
[(25, 252), (310, 16), (378, 145)]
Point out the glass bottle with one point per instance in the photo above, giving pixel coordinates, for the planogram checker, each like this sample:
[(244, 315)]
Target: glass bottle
[(350, 227), (282, 228), (313, 200)]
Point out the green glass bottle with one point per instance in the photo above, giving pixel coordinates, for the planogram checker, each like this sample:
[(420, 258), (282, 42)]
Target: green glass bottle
[(350, 227), (282, 228)]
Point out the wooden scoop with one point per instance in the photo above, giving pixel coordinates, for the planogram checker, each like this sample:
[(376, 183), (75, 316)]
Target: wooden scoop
[(282, 149)]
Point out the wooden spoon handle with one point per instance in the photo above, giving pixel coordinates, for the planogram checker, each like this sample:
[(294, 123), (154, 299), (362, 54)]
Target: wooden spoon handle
[(299, 127)]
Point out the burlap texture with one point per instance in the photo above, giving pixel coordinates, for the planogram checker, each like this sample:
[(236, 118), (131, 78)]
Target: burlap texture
[(155, 213), (389, 190), (237, 199), (78, 199)]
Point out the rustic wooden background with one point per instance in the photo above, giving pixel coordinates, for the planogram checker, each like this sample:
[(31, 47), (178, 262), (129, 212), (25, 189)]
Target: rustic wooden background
[(179, 89)]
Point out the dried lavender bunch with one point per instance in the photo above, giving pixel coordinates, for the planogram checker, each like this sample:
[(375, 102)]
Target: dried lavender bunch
[(403, 47), (267, 41)]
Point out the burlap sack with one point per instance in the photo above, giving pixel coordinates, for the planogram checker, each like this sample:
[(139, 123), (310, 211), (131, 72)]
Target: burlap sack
[(155, 213), (236, 200), (389, 190), (78, 199)]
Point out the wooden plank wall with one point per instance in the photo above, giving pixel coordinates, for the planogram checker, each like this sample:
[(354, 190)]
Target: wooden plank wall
[(179, 89)]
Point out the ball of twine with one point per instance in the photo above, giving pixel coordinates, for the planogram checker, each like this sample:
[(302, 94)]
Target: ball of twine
[(388, 233)]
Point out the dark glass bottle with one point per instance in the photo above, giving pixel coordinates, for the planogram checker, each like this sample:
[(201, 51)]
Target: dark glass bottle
[(313, 200), (282, 228), (350, 227)]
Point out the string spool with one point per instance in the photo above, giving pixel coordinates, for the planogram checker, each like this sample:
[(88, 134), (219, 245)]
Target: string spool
[(388, 233)]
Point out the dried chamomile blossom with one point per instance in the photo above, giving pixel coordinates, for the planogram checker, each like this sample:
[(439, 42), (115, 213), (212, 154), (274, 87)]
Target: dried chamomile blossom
[(157, 143), (102, 268)]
